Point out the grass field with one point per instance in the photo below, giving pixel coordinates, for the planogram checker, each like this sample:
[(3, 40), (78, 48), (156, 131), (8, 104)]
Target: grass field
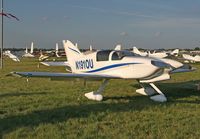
[(46, 109)]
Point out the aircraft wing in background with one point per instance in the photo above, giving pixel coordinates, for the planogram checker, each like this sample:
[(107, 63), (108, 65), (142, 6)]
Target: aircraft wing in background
[(61, 63)]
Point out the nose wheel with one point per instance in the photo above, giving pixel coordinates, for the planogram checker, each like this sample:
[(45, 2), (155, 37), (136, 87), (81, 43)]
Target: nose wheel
[(97, 95)]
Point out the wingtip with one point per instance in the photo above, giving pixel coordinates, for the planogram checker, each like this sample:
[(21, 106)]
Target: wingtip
[(13, 73)]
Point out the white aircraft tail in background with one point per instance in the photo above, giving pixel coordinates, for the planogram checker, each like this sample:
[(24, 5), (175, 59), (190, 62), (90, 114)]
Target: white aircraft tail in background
[(27, 54), (175, 52), (31, 48), (91, 49), (76, 44), (26, 51), (118, 47), (136, 51), (57, 50)]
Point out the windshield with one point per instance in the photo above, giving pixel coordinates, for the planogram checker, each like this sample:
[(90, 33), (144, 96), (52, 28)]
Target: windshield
[(117, 55), (103, 55)]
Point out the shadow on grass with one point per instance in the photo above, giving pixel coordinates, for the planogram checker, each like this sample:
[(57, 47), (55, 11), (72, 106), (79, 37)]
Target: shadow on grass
[(20, 94), (179, 90), (131, 103), (35, 118)]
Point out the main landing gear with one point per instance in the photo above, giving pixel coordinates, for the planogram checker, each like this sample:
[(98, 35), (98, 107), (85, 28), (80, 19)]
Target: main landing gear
[(152, 91)]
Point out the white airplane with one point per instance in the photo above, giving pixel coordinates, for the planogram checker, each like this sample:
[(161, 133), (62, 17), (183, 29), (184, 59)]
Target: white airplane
[(136, 51), (191, 58), (12, 56), (154, 54), (157, 54), (163, 54), (174, 52), (43, 57), (114, 64), (27, 54)]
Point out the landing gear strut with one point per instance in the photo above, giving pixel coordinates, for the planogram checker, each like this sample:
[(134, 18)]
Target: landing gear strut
[(152, 91), (97, 95)]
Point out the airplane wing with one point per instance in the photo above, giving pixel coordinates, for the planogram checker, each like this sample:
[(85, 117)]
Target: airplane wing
[(61, 63), (54, 75)]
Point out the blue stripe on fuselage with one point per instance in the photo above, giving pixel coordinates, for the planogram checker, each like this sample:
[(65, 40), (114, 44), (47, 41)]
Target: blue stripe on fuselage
[(110, 67)]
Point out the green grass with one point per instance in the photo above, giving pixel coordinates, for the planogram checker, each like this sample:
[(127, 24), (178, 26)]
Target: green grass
[(58, 109)]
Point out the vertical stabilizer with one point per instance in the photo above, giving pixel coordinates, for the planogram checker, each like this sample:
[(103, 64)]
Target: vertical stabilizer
[(31, 48), (57, 55), (26, 51), (175, 52), (91, 48), (136, 51), (118, 47), (72, 53), (76, 44), (56, 47)]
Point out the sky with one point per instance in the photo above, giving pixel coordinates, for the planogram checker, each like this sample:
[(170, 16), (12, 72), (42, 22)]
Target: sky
[(149, 24)]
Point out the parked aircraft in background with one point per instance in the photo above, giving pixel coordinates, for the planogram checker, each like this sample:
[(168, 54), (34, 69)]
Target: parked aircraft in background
[(12, 56), (191, 58), (157, 54), (195, 51), (114, 64), (149, 54), (43, 57), (174, 52), (27, 54), (136, 51)]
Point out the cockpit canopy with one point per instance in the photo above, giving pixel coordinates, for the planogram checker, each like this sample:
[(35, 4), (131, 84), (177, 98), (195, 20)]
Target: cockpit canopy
[(103, 55), (115, 55)]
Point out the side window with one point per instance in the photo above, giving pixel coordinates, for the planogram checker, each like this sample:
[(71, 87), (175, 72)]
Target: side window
[(103, 55), (115, 56)]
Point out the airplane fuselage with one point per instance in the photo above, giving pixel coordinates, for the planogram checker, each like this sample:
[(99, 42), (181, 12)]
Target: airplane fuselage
[(127, 67)]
